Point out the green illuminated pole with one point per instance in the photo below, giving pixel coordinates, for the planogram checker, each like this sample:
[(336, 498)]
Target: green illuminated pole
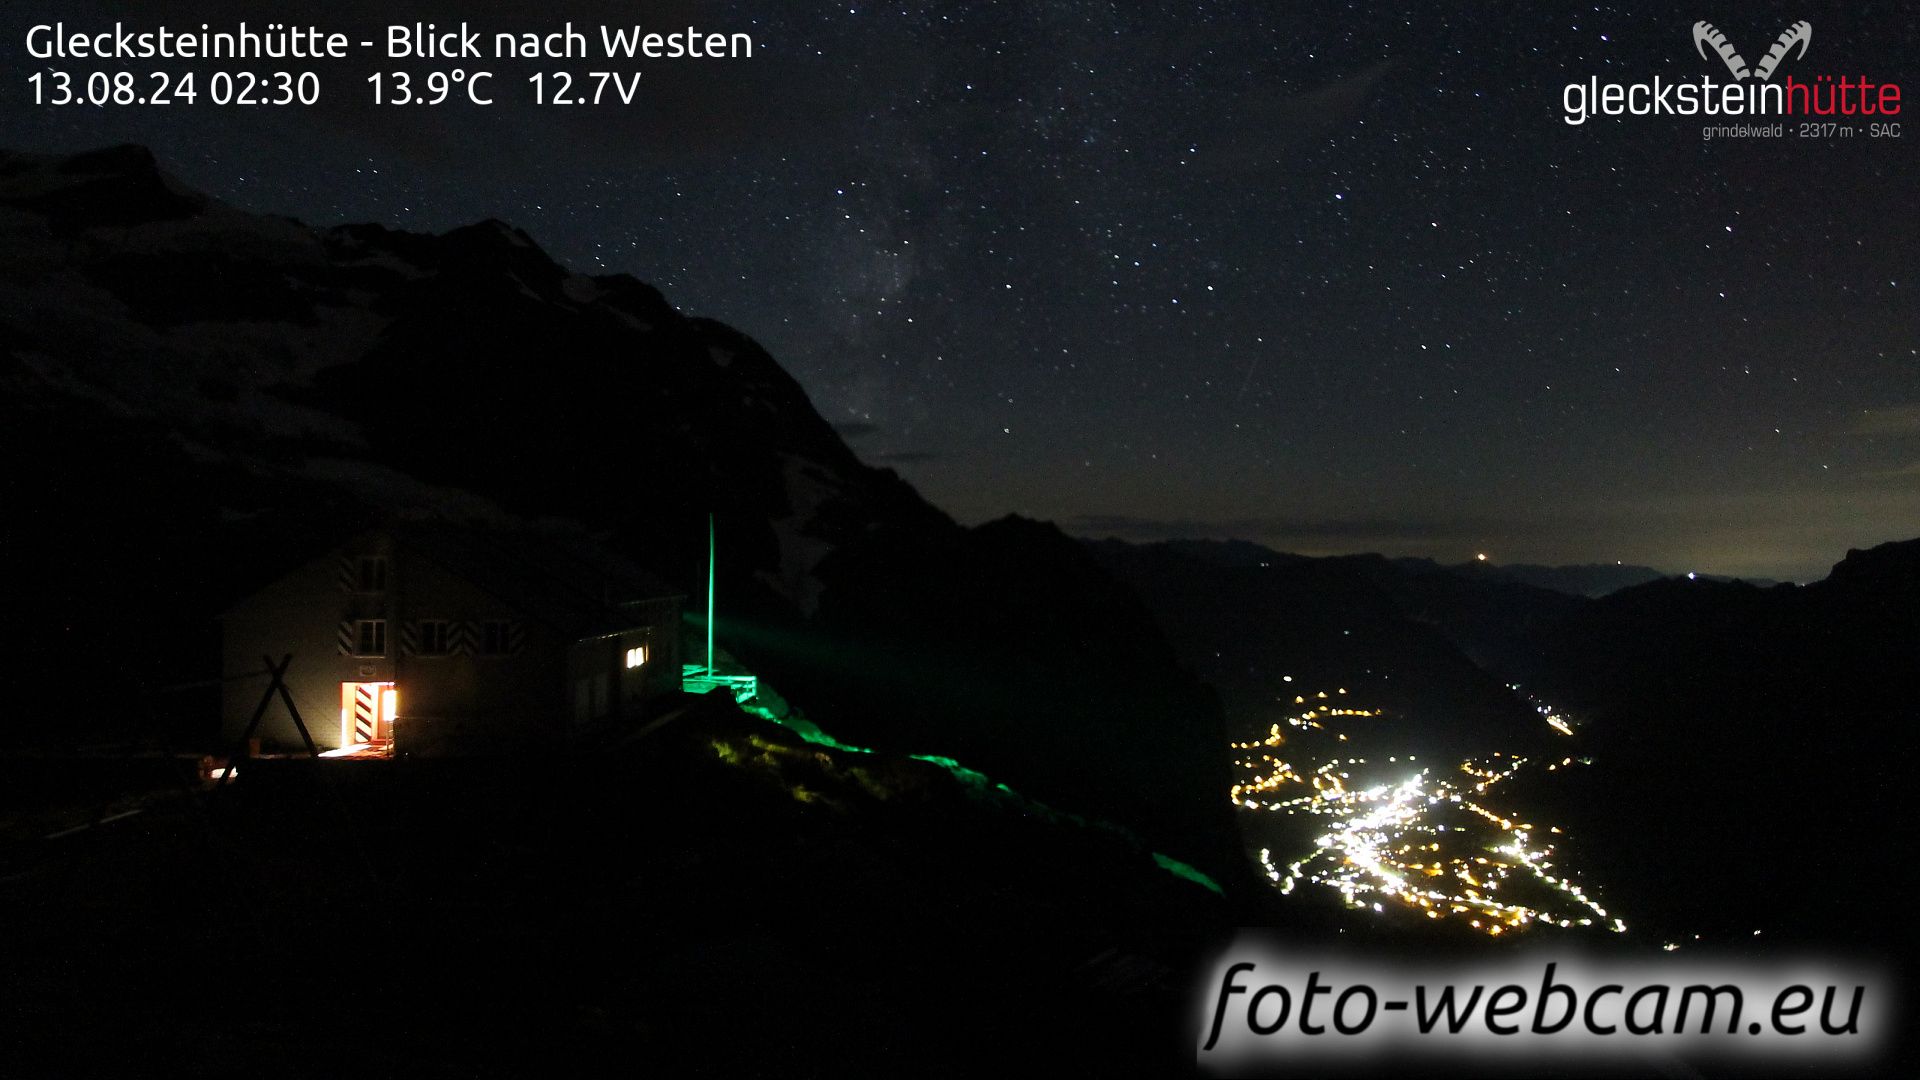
[(710, 560)]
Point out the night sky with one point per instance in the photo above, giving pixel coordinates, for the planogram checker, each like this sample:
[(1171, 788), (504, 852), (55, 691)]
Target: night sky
[(1333, 277)]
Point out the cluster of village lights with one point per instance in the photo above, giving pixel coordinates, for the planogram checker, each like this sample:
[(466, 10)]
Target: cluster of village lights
[(1554, 720), (1426, 843)]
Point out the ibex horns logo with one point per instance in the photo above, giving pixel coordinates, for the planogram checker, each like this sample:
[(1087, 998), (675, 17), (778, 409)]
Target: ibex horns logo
[(1705, 34)]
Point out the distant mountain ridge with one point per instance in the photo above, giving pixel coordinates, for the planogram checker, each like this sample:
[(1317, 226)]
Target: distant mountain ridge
[(1589, 579), (1745, 739), (1264, 627), (1583, 579)]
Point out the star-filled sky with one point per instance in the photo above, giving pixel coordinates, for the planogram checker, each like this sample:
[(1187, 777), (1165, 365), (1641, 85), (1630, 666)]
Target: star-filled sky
[(1332, 277)]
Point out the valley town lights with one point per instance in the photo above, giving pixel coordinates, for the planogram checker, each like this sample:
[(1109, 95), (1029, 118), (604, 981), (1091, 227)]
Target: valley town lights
[(1424, 843)]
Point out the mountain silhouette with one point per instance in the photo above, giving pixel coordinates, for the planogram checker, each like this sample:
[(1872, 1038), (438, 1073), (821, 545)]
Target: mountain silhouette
[(196, 392)]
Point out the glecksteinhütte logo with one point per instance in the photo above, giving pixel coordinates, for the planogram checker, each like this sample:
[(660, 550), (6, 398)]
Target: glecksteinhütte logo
[(1705, 33), (1751, 91)]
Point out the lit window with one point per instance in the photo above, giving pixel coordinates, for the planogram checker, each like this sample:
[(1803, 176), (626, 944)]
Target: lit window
[(636, 656), (370, 637)]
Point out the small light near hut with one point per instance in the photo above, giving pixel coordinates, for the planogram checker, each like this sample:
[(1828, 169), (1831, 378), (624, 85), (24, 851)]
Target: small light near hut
[(636, 657)]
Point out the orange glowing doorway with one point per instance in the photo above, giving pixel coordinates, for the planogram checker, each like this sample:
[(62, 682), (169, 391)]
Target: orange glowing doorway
[(367, 710)]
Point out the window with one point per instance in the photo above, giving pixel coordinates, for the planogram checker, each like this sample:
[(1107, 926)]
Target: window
[(496, 638), (636, 657), (433, 637), (373, 574), (370, 637)]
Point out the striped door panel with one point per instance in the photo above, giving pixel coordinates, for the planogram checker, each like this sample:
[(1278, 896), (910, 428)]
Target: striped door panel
[(366, 705)]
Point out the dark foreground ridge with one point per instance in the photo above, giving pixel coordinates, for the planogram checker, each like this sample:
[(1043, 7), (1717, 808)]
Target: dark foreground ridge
[(721, 896)]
